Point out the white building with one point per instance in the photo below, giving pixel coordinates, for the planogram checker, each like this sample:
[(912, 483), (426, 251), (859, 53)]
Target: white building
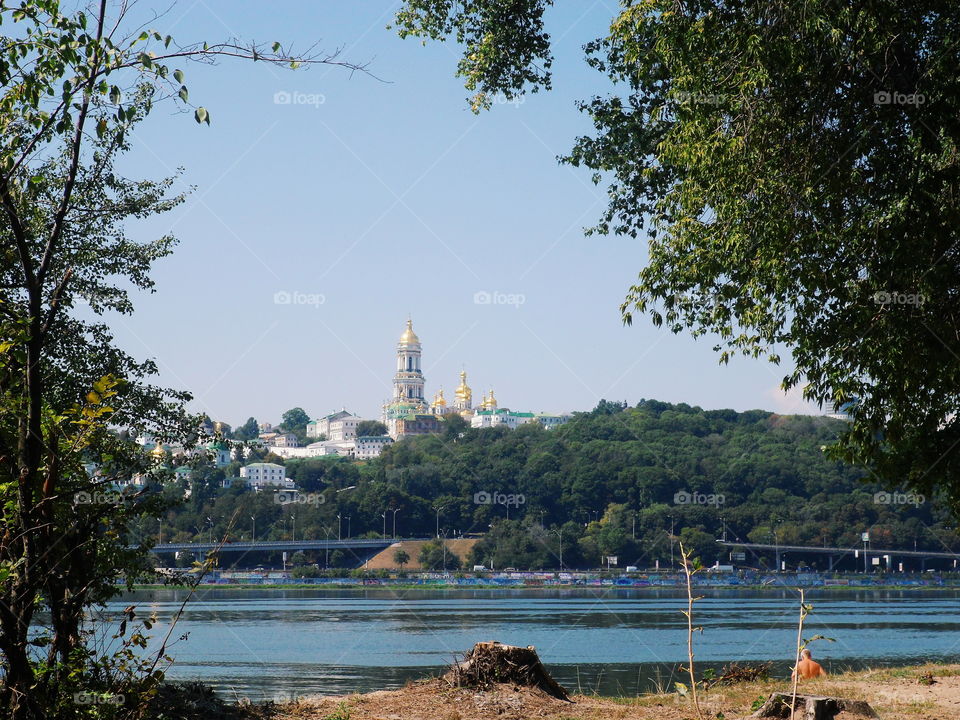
[(284, 440), (337, 426), (370, 446), (503, 417), (260, 475)]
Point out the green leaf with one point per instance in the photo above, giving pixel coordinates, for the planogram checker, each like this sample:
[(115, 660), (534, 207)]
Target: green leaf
[(183, 93), (201, 115), (178, 76)]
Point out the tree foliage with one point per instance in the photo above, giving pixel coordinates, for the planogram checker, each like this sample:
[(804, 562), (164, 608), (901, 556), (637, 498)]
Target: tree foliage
[(794, 168), (71, 88)]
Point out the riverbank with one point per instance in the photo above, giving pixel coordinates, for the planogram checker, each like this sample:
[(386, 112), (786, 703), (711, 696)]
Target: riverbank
[(895, 693), (742, 580)]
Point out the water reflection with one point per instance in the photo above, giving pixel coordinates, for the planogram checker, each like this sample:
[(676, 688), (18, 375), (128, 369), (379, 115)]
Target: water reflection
[(260, 643)]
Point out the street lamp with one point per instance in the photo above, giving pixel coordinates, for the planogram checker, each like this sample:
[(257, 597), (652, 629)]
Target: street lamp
[(293, 533), (671, 542), (326, 560), (339, 526), (438, 508), (253, 530), (395, 511), (559, 534), (384, 516)]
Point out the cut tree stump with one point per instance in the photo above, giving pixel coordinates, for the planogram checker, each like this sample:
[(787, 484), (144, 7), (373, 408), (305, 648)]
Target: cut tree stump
[(488, 663), (813, 707)]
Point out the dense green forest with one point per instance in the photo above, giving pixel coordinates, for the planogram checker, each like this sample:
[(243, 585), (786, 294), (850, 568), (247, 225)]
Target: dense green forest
[(618, 480)]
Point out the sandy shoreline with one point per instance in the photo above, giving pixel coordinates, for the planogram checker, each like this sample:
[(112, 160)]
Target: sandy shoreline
[(895, 694)]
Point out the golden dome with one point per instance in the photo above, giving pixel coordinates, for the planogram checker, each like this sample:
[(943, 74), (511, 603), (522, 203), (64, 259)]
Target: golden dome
[(158, 452), (490, 403), (464, 393), (409, 337), (438, 400)]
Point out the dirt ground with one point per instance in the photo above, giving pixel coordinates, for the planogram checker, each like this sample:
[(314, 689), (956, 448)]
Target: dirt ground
[(896, 694), (384, 560)]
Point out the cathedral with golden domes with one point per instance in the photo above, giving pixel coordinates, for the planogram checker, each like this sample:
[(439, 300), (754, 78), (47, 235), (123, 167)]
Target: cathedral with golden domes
[(408, 412)]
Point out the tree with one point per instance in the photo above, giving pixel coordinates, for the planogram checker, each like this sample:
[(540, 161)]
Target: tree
[(250, 430), (71, 88), (435, 555), (295, 421), (401, 557), (794, 169), (371, 427)]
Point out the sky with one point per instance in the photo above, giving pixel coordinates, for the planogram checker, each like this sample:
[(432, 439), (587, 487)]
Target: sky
[(327, 207)]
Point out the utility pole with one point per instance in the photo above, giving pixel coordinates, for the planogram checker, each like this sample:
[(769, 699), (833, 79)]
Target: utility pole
[(671, 542)]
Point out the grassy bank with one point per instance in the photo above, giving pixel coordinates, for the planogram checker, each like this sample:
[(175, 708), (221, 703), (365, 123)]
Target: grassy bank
[(895, 693)]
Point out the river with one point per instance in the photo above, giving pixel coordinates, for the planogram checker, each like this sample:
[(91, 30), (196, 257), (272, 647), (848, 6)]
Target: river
[(273, 644)]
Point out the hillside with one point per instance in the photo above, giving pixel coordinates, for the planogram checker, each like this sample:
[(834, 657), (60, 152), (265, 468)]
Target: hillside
[(613, 481)]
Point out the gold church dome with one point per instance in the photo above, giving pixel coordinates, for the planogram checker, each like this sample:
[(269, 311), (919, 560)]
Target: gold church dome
[(463, 390), (409, 337), (438, 399)]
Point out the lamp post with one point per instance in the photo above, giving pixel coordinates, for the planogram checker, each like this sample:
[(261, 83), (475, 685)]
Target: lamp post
[(293, 530), (348, 527), (395, 511), (384, 516), (326, 560), (339, 526), (160, 536), (253, 528), (671, 542), (438, 508), (559, 534)]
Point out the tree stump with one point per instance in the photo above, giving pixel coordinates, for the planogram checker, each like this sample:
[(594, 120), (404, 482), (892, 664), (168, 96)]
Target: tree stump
[(813, 707), (488, 663)]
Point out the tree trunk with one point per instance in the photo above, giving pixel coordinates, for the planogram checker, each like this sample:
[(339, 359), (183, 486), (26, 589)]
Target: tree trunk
[(813, 707), (489, 663)]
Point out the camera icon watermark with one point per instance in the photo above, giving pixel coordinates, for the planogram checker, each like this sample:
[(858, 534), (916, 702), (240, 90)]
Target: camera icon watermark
[(682, 497), (498, 498), (294, 297), (484, 297), (886, 97), (898, 498), (286, 497), (898, 298), (295, 97)]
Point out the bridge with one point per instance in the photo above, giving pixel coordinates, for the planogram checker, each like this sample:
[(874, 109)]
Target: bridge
[(836, 553), (365, 544)]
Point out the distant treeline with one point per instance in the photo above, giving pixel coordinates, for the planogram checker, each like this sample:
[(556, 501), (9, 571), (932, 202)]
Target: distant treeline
[(613, 481)]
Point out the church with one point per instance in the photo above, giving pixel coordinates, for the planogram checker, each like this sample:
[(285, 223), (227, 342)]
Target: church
[(408, 412)]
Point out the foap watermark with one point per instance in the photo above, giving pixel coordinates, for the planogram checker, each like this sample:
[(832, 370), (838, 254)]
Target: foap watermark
[(886, 97), (92, 698), (699, 98), (502, 99), (898, 498), (682, 497), (294, 297), (484, 297), (898, 298), (97, 498), (295, 97), (286, 497), (498, 498)]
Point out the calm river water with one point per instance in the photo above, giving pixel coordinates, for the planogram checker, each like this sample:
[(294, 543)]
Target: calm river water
[(266, 644)]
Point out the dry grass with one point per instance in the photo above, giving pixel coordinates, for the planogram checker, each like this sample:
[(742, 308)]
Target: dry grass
[(894, 693)]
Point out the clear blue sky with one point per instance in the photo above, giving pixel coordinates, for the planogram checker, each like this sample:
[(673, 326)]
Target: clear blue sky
[(388, 199)]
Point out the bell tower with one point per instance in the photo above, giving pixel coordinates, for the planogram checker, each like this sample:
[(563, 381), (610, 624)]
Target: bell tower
[(408, 381)]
